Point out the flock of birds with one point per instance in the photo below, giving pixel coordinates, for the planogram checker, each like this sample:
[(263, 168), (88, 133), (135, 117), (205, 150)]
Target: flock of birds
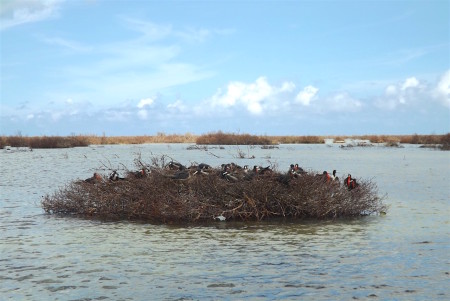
[(230, 172)]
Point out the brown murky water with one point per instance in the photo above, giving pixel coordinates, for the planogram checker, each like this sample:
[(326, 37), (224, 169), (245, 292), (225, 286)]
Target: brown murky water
[(400, 256)]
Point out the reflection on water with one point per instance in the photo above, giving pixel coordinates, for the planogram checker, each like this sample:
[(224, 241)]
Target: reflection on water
[(401, 256)]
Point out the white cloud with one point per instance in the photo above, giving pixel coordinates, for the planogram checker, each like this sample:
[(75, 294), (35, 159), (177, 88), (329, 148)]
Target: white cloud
[(305, 96), (342, 102), (255, 97), (391, 90), (442, 90), (287, 87), (177, 105), (143, 106), (411, 82), (411, 92), (400, 94), (17, 12), (146, 102)]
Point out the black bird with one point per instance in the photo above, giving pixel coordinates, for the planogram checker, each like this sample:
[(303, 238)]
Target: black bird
[(114, 176), (201, 168), (176, 166), (228, 176), (264, 170), (181, 175)]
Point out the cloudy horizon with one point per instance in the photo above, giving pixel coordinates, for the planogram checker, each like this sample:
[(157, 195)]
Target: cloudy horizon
[(277, 68)]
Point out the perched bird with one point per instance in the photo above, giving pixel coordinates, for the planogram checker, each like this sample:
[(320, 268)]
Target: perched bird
[(96, 178), (176, 166), (228, 176), (181, 175), (114, 176), (140, 173), (350, 183), (261, 170), (201, 168)]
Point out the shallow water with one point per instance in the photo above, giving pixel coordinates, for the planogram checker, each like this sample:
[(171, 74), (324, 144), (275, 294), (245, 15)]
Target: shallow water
[(400, 256)]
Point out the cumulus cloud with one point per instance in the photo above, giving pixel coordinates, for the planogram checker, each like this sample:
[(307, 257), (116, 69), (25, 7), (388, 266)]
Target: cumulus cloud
[(305, 96), (143, 106), (411, 82), (258, 98), (403, 93), (146, 102), (391, 90), (287, 87), (412, 92), (177, 106), (253, 96), (343, 102), (442, 90), (13, 13)]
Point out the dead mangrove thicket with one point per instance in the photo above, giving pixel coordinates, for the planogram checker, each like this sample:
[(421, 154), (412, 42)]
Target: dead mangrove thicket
[(162, 196)]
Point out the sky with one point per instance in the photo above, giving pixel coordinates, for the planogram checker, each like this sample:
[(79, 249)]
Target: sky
[(116, 67)]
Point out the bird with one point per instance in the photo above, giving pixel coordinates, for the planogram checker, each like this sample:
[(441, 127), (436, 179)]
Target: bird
[(203, 166), (350, 182), (176, 166), (181, 175), (94, 179), (114, 176), (200, 169), (140, 173)]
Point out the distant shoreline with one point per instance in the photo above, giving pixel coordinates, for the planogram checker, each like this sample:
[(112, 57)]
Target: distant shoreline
[(216, 138)]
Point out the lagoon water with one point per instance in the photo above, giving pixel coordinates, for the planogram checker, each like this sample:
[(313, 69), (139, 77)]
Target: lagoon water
[(403, 255)]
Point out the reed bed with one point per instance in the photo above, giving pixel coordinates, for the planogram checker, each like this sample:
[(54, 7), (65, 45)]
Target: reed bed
[(218, 138), (208, 196), (44, 141), (215, 138)]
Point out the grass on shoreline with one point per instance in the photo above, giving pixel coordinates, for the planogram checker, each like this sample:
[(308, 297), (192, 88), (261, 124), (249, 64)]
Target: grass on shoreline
[(215, 138)]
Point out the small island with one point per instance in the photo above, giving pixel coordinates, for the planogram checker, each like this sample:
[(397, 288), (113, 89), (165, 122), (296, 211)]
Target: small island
[(168, 192)]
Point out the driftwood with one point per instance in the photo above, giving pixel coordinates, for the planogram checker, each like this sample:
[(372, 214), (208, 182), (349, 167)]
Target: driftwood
[(207, 195)]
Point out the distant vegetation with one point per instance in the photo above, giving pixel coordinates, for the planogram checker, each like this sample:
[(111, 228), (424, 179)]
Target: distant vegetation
[(233, 139), (44, 141), (216, 138)]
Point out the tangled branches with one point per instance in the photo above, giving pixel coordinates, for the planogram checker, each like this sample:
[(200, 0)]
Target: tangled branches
[(161, 196)]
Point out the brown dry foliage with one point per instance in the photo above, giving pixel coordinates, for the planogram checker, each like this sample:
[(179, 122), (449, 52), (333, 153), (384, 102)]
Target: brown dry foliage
[(217, 138), (200, 198), (44, 141)]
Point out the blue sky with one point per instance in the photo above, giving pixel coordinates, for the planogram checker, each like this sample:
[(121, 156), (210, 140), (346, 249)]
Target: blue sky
[(258, 67)]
